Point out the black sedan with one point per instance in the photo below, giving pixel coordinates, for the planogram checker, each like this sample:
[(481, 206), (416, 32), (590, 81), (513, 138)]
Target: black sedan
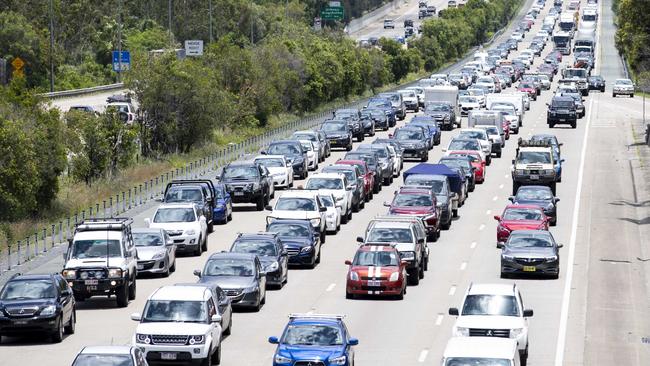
[(532, 252), (596, 82), (541, 196), (270, 251)]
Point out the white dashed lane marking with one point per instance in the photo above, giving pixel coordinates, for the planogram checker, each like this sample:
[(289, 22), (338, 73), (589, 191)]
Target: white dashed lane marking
[(463, 266), (423, 356), (452, 290), (439, 319), (330, 287), (473, 245)]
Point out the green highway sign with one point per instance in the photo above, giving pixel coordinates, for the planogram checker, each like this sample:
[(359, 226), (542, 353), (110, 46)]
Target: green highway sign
[(332, 13)]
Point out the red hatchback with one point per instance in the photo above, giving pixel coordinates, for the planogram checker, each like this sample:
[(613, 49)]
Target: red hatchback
[(520, 217), (368, 177), (418, 201), (477, 163), (376, 270), (528, 87)]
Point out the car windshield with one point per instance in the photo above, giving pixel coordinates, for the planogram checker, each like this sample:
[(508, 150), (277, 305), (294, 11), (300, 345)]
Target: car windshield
[(527, 86), (240, 172), (307, 145), (376, 259), (295, 204), (95, 248), (390, 235), (412, 200), (103, 360), (403, 134), (437, 108), (333, 126), (468, 99), (436, 186), (381, 152), (476, 361), (260, 247), (534, 157), (378, 103), (175, 311), (28, 290), (459, 163), (464, 145), (472, 158), (349, 174), (284, 149), (312, 335), (148, 239), (304, 136), (324, 183), (271, 162), (529, 241), (491, 130), (289, 230), (179, 214), (623, 82), (472, 134), (326, 201), (499, 305), (562, 103), (522, 214), (184, 195), (533, 194), (229, 267)]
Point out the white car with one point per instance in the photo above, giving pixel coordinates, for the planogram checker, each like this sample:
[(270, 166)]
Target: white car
[(336, 184), (479, 94), (468, 103), (313, 137), (495, 138), (177, 322), (419, 91), (333, 213), (493, 310), (623, 87), (109, 355), (184, 223), (126, 108), (481, 351), (410, 99), (397, 160), (300, 204), (480, 135), (312, 154), (280, 169), (467, 144)]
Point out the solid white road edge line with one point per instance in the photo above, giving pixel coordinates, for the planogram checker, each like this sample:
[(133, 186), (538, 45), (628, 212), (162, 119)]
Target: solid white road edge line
[(566, 296), (423, 355)]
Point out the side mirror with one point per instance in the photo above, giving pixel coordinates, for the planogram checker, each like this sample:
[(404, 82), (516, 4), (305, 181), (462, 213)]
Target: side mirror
[(453, 311), (169, 243), (528, 313), (216, 318), (556, 199), (322, 209), (136, 317), (353, 342), (147, 222), (497, 217), (500, 246), (262, 274), (386, 203), (348, 262), (511, 199), (513, 161), (359, 239), (274, 340), (268, 208), (562, 160), (197, 273), (263, 152), (560, 246), (420, 241)]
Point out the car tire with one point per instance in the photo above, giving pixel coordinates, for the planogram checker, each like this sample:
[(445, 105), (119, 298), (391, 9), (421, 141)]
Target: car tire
[(503, 275), (167, 271), (211, 226), (70, 328), (387, 180), (317, 261), (344, 219), (172, 268), (198, 251), (553, 187), (523, 357), (455, 212), (228, 331), (259, 205), (322, 237), (446, 226), (132, 290), (499, 154), (613, 95), (488, 160), (515, 187), (349, 296), (414, 277), (57, 335), (215, 359), (349, 147), (122, 296), (553, 221)]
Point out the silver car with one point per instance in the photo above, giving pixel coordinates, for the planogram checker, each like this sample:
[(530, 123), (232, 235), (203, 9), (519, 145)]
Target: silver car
[(156, 251)]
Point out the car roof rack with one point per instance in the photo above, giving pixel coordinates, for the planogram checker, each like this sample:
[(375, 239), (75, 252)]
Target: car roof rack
[(316, 316), (104, 224), (533, 143)]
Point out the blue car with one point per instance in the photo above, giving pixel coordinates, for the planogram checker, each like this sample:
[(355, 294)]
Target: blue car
[(557, 166), (222, 212), (431, 124), (311, 339), (387, 106), (300, 240)]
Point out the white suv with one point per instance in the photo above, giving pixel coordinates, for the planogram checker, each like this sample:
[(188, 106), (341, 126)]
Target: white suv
[(493, 310), (180, 323), (184, 223), (300, 204), (336, 184), (280, 169)]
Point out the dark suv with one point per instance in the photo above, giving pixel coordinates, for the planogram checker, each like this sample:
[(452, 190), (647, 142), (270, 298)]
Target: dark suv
[(293, 152), (353, 174), (201, 192), (37, 303), (338, 133), (270, 251), (353, 116), (246, 183), (562, 110)]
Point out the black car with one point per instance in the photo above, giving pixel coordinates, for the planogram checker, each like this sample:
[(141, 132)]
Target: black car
[(385, 105), (37, 304), (246, 182), (199, 191), (461, 162), (270, 251), (373, 165), (533, 252), (353, 175), (353, 117), (596, 82), (367, 123), (293, 152), (562, 110), (397, 102), (541, 196), (300, 240), (378, 116), (384, 159), (443, 113), (338, 133), (413, 141)]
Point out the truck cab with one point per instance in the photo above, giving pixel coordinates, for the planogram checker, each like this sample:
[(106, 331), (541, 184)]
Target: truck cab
[(534, 165)]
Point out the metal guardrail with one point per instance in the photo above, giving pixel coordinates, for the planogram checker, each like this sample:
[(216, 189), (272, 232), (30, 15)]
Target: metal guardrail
[(84, 91)]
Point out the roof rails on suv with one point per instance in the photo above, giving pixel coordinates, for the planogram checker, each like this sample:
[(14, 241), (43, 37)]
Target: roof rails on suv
[(104, 224)]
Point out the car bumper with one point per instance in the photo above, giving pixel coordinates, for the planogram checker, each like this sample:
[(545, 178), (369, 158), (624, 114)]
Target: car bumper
[(301, 258), (533, 267), (623, 91), (244, 196), (220, 214), (542, 179), (563, 118), (180, 354), (152, 266), (414, 153), (381, 287), (281, 181), (11, 326), (299, 169), (186, 243), (274, 278), (101, 287), (244, 299), (411, 105)]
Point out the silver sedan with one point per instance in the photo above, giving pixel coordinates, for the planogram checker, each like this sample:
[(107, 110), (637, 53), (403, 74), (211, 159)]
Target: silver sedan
[(156, 251)]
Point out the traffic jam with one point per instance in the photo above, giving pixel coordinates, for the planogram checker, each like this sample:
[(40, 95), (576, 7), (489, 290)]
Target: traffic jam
[(314, 183)]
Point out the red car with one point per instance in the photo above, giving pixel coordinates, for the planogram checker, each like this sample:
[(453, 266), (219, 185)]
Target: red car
[(368, 177), (418, 201), (376, 270), (505, 125), (528, 87), (520, 217), (477, 162)]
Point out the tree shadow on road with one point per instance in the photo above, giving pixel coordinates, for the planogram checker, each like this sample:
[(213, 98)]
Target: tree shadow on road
[(645, 203), (644, 221)]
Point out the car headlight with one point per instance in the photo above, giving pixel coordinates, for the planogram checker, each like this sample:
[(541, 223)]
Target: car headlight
[(282, 359), (315, 222), (519, 171), (114, 272), (354, 276), (220, 205), (48, 310), (341, 360), (551, 258), (159, 255), (407, 256), (506, 257), (190, 232), (142, 338), (69, 274), (461, 332), (272, 267), (393, 277), (197, 339), (548, 171), (306, 249), (516, 332)]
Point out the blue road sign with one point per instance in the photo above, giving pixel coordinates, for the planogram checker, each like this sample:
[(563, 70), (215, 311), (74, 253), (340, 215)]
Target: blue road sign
[(126, 61)]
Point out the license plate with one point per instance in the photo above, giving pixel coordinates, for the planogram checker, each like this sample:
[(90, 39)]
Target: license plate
[(140, 266), (91, 288), (530, 268), (534, 177), (562, 119), (239, 193), (91, 282), (20, 322), (374, 283), (167, 355)]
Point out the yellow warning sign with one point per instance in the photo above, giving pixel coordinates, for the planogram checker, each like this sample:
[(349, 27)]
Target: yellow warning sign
[(18, 63), (18, 73)]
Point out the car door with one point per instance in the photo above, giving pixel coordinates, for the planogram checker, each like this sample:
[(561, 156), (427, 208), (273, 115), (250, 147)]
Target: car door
[(202, 223), (214, 330), (282, 257), (261, 278), (225, 308), (66, 299)]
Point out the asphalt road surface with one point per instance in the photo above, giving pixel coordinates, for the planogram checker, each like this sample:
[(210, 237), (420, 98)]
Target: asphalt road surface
[(594, 314)]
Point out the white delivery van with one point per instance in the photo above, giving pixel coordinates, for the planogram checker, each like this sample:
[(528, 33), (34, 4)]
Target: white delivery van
[(516, 99), (486, 118)]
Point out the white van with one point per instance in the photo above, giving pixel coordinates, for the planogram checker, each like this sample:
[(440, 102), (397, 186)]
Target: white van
[(494, 351)]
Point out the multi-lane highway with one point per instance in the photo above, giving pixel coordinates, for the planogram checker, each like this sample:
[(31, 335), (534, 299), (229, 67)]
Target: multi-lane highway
[(594, 314)]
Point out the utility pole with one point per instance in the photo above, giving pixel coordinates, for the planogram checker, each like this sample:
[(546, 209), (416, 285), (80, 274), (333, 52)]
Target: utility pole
[(119, 41), (252, 20), (51, 47), (210, 25), (169, 19)]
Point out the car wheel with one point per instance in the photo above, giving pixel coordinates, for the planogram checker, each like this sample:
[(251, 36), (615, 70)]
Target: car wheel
[(215, 359), (258, 307), (318, 258), (259, 205), (70, 328), (173, 266), (230, 214), (57, 335), (503, 275), (122, 296), (613, 95), (553, 187), (413, 277), (211, 227), (455, 212), (344, 219), (322, 237), (167, 270), (132, 290), (228, 330), (421, 271), (349, 295), (198, 251)]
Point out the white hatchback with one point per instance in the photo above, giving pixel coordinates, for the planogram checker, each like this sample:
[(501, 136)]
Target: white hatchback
[(280, 169), (184, 223)]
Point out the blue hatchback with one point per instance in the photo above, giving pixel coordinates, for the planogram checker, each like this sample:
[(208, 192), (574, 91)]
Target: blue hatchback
[(312, 339), (222, 212)]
